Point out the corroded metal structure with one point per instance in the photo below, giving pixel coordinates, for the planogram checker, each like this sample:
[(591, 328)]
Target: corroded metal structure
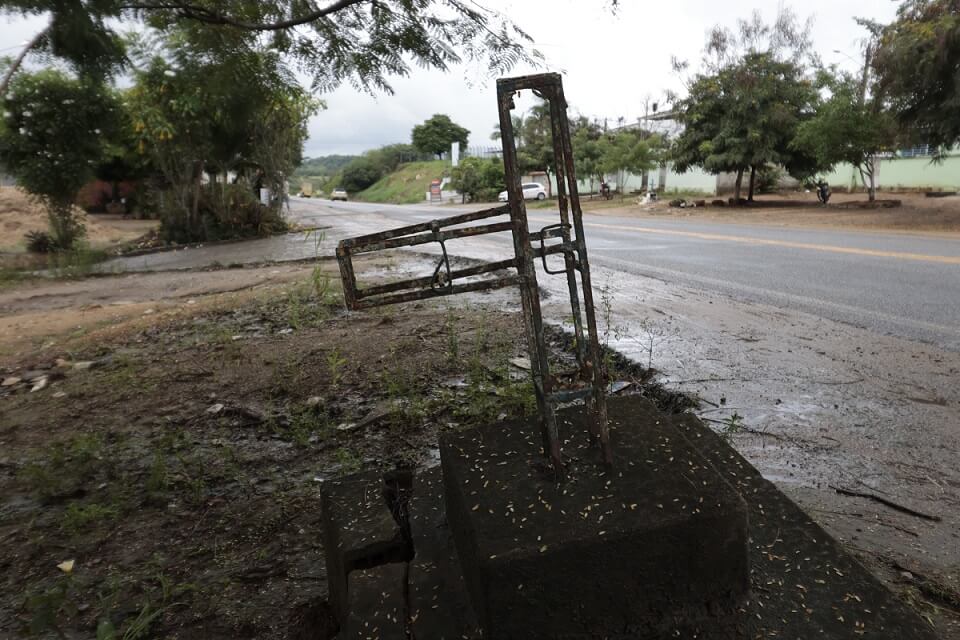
[(564, 237)]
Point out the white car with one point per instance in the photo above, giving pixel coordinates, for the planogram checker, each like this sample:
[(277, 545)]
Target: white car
[(531, 191)]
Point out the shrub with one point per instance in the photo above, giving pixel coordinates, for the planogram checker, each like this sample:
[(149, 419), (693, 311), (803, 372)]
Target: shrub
[(39, 242), (52, 136), (360, 174)]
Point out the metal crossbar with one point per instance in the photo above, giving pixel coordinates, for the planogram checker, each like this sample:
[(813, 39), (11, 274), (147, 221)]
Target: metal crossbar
[(588, 382)]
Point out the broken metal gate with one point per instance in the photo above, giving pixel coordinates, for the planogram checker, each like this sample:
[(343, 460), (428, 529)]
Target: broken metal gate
[(588, 382)]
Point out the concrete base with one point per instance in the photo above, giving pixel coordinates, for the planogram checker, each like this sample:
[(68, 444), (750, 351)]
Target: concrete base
[(802, 583), (659, 543)]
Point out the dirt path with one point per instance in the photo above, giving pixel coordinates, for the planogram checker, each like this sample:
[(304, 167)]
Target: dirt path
[(918, 214), (35, 313)]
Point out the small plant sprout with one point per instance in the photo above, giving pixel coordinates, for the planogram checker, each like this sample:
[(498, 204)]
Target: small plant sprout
[(335, 363)]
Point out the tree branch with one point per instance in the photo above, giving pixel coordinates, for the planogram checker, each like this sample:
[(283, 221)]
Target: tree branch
[(209, 16), (19, 60)]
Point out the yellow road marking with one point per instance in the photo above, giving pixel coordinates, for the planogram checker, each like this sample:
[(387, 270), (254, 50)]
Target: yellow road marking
[(775, 243)]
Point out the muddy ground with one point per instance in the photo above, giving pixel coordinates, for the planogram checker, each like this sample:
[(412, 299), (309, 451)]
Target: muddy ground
[(815, 404), (175, 465)]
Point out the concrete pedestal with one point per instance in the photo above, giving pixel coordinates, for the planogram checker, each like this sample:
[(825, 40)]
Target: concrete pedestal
[(657, 544)]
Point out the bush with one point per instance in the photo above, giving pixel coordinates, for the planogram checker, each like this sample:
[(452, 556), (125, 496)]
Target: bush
[(360, 174), (52, 136), (224, 213), (39, 242), (768, 179)]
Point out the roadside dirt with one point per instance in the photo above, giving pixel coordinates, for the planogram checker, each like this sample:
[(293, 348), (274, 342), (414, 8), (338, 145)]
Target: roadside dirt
[(55, 313), (165, 480), (916, 214), (173, 515), (18, 215)]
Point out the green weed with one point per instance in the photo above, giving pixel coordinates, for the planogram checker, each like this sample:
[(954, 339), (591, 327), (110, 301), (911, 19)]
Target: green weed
[(335, 365), (732, 425), (69, 465), (348, 460), (79, 518)]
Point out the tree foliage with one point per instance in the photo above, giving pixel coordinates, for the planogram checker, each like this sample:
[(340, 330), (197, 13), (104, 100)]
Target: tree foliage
[(55, 132), (363, 42), (197, 110), (848, 127), (437, 134), (478, 179), (629, 151), (917, 62), (744, 117)]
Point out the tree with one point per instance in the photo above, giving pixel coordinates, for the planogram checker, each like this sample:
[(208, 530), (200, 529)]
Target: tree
[(587, 150), (360, 174), (201, 111), (744, 117), (627, 152), (742, 109), (478, 179), (363, 41), (54, 134), (437, 134), (848, 128), (536, 152), (917, 61)]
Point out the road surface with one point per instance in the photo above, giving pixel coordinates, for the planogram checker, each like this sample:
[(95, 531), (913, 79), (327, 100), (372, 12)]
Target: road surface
[(894, 284)]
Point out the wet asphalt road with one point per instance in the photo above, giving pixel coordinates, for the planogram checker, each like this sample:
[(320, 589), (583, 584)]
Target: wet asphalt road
[(902, 285)]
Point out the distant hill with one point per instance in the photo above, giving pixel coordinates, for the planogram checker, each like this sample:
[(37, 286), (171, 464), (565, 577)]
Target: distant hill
[(322, 166)]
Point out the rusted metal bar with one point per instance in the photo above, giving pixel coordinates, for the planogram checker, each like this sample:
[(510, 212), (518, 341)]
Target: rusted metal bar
[(488, 267), (372, 238), (588, 382), (424, 294)]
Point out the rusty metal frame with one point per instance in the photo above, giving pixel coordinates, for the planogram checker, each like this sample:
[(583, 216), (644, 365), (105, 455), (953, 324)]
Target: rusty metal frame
[(588, 382)]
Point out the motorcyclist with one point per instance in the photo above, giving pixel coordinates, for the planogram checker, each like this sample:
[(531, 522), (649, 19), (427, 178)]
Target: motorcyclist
[(823, 191)]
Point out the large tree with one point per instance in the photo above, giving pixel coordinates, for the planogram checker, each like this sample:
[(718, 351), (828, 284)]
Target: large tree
[(917, 61), (200, 110), (360, 41), (437, 134), (851, 126), (744, 117)]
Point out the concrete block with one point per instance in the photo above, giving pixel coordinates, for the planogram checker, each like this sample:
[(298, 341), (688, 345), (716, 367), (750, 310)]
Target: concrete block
[(657, 544)]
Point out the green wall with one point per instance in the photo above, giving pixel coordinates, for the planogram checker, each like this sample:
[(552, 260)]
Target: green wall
[(905, 173)]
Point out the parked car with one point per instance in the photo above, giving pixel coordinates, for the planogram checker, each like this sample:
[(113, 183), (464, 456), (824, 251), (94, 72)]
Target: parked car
[(338, 194), (531, 191)]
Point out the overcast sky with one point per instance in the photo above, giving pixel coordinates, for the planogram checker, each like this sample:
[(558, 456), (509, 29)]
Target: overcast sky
[(611, 63)]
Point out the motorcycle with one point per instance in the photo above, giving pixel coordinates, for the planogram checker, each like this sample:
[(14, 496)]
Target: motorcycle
[(823, 192)]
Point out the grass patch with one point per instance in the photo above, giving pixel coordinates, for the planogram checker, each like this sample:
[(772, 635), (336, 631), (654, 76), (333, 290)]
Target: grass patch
[(403, 186), (81, 517)]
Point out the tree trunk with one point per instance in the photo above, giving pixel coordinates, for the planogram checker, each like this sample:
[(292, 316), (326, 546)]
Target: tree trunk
[(194, 213), (12, 69), (738, 185), (753, 177)]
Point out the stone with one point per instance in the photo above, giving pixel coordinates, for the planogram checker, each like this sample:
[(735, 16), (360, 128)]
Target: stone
[(11, 381), (378, 609), (84, 365), (360, 531), (215, 409), (39, 384), (657, 544)]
